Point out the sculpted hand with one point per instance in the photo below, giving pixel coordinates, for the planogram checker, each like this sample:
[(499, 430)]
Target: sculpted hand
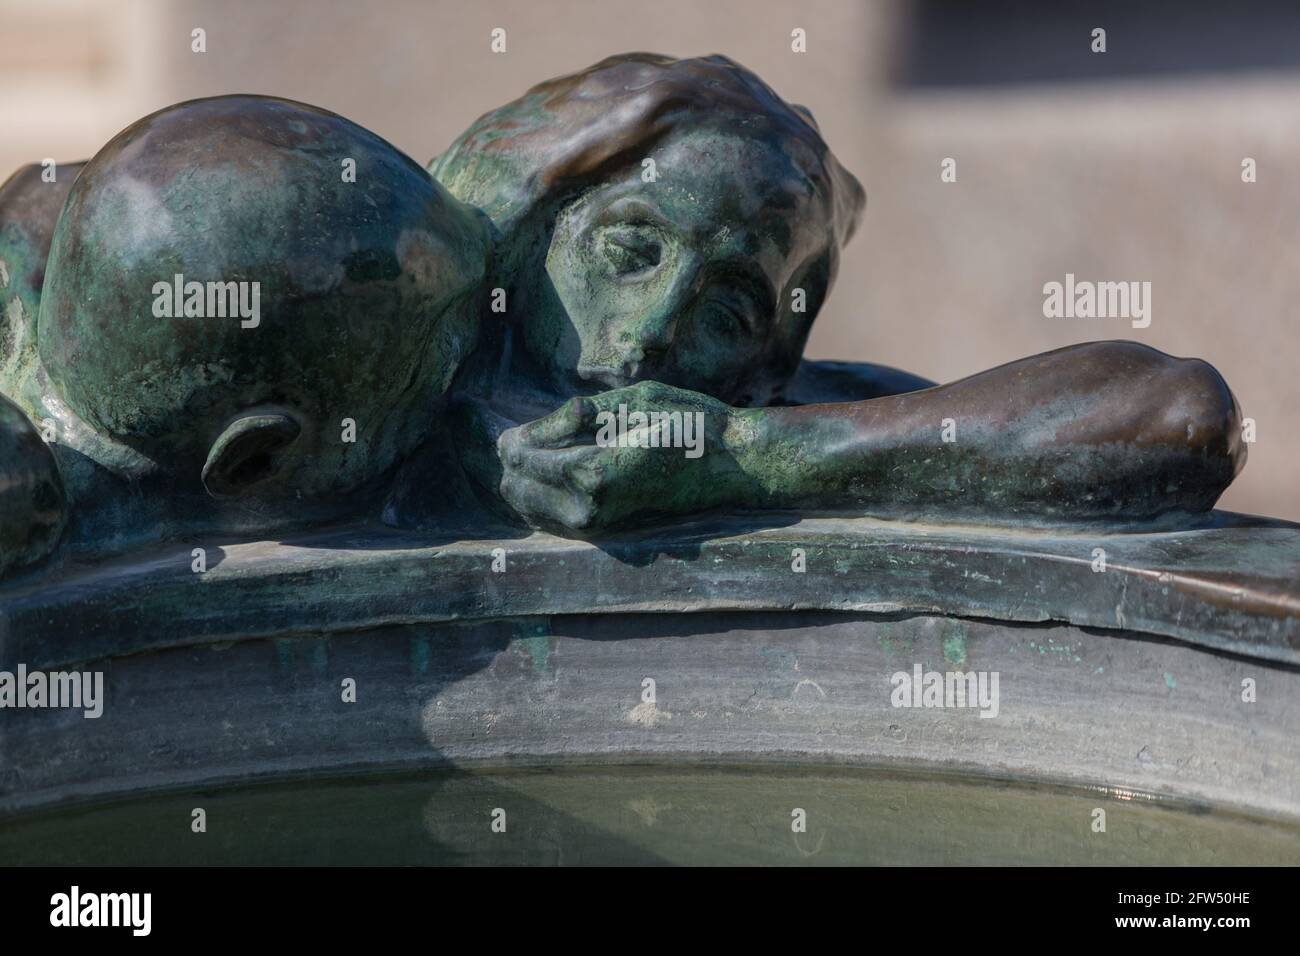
[(634, 453)]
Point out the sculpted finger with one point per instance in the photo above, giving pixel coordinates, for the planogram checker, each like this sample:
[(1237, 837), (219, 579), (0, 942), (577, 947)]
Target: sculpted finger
[(545, 504), (510, 448), (577, 468), (586, 469), (643, 396), (562, 427)]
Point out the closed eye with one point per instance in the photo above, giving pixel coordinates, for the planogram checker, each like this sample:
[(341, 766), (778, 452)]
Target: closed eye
[(742, 298), (630, 248), (737, 310)]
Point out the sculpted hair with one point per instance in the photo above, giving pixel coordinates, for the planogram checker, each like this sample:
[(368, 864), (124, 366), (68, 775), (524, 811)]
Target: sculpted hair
[(523, 162), (574, 130)]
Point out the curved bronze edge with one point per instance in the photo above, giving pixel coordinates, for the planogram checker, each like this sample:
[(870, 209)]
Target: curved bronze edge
[(1231, 586), (1128, 720)]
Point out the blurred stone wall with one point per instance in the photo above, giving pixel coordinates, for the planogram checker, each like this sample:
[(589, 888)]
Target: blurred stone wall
[(1127, 179)]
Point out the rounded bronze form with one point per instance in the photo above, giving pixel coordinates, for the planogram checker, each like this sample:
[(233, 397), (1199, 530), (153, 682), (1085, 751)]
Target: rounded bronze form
[(231, 255)]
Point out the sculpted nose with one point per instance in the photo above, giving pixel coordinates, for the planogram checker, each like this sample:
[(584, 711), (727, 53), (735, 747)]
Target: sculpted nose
[(654, 330), (651, 335)]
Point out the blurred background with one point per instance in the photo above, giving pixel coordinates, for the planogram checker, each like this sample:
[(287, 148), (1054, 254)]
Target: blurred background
[(1123, 165)]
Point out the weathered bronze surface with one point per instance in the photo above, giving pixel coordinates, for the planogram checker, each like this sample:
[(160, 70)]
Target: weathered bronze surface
[(677, 295), (654, 234), (363, 291), (1228, 586), (391, 465), (1114, 682), (32, 506), (30, 202)]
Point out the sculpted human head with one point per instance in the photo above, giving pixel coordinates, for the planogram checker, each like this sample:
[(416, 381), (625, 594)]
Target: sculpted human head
[(659, 219), (30, 201), (360, 290)]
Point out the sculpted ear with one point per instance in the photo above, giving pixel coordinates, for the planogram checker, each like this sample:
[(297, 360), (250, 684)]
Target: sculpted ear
[(815, 279), (791, 334), (807, 115), (247, 455)]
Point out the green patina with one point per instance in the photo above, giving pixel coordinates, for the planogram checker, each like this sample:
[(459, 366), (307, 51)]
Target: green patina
[(954, 647), (382, 364), (534, 638)]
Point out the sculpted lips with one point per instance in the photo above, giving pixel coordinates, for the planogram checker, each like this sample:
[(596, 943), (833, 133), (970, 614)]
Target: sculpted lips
[(609, 376), (640, 364)]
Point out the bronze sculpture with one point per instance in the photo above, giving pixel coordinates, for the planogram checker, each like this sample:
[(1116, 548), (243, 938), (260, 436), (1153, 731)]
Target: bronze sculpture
[(650, 234), (688, 282), (166, 424)]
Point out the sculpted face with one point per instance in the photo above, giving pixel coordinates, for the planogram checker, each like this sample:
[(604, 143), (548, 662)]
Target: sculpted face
[(688, 277), (686, 280)]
